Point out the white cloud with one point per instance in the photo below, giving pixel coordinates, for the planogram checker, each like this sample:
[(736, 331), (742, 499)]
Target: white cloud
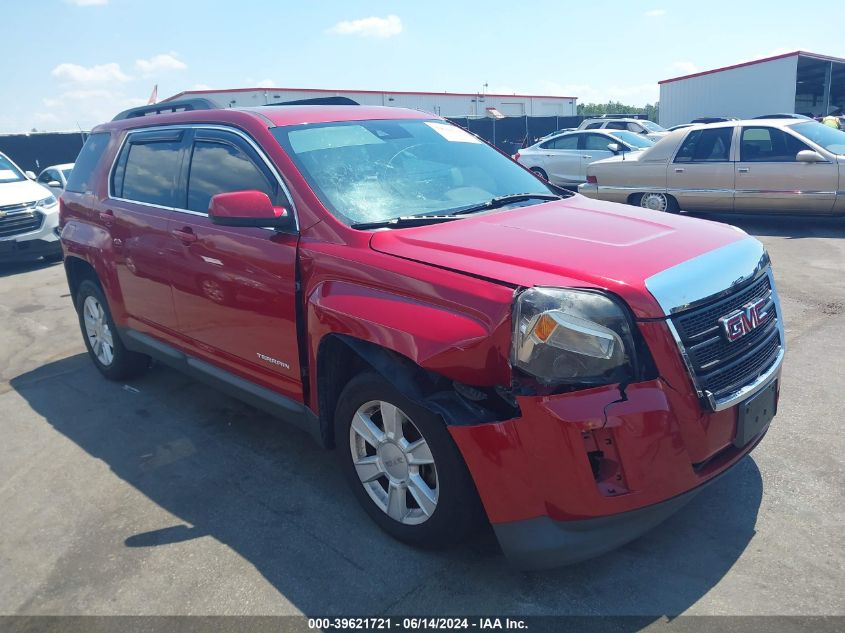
[(200, 87), (655, 13), (102, 73), (265, 83), (369, 27), (160, 63), (685, 68), (80, 107), (87, 3), (632, 94)]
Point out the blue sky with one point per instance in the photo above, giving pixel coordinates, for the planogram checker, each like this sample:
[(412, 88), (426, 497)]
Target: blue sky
[(80, 61)]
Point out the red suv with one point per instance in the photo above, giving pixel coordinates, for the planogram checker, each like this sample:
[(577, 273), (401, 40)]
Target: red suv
[(472, 342)]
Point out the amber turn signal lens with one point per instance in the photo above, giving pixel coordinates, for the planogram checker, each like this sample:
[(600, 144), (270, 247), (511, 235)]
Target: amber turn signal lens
[(544, 327)]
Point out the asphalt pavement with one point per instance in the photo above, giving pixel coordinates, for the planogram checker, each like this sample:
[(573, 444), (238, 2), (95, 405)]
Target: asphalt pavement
[(162, 496)]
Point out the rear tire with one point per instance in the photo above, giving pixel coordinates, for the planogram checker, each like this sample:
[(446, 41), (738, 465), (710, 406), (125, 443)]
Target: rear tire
[(540, 173), (656, 201), (403, 466), (101, 338)]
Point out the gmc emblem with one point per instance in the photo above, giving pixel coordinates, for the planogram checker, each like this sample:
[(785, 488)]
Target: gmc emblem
[(740, 322)]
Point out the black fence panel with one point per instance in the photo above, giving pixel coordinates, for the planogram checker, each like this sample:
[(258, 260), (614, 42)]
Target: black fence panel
[(512, 133), (37, 151)]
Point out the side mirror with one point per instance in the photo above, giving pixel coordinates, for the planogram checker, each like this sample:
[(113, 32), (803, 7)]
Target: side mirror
[(809, 156), (29, 174), (614, 147), (247, 208), (54, 183)]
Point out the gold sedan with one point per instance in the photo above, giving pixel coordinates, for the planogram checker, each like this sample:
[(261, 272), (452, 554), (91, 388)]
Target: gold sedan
[(760, 165)]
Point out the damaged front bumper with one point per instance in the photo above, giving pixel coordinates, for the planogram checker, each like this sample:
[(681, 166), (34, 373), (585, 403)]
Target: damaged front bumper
[(581, 473)]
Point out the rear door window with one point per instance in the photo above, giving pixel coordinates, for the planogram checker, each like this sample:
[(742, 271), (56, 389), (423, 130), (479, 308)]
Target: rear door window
[(769, 145), (221, 162), (593, 126), (617, 125), (148, 168), (80, 180), (563, 142), (706, 146)]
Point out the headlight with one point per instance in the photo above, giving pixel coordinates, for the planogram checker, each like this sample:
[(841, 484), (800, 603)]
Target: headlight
[(571, 336), (47, 203)]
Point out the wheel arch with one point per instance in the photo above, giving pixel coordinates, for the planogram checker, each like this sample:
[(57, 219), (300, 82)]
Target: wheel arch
[(78, 270), (341, 357)]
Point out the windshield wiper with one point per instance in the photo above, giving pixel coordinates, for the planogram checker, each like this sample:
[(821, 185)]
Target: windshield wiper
[(404, 221), (500, 201), (422, 219)]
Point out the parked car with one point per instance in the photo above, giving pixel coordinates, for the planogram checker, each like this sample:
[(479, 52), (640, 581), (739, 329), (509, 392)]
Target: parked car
[(785, 115), (29, 216), (712, 119), (757, 165), (563, 159), (647, 128), (55, 177), (555, 133), (469, 342)]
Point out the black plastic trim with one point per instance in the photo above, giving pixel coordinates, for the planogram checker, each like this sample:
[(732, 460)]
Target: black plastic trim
[(269, 401), (180, 105)]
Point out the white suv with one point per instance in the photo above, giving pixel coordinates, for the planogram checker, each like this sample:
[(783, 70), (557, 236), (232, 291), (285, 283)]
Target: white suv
[(29, 216), (649, 129)]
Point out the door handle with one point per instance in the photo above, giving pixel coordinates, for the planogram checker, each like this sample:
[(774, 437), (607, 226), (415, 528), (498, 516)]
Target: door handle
[(743, 170), (185, 235), (585, 156), (679, 170), (106, 217)]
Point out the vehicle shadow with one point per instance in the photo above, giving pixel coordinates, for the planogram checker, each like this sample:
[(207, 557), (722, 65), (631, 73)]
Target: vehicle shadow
[(270, 494), (8, 269), (788, 226)]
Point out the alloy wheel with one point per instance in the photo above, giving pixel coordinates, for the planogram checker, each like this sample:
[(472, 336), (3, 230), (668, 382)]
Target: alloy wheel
[(97, 330), (394, 462)]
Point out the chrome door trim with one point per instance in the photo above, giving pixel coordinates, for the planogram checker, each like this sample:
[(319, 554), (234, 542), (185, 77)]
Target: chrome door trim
[(203, 126), (789, 191)]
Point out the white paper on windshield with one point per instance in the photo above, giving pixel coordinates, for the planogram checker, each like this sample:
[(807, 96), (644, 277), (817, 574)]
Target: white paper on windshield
[(8, 174), (452, 132)]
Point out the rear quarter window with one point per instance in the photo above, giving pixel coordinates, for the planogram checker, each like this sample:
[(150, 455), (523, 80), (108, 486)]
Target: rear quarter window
[(80, 180)]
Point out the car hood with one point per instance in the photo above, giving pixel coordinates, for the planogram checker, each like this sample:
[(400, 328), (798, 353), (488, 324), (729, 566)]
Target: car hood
[(22, 191), (574, 242)]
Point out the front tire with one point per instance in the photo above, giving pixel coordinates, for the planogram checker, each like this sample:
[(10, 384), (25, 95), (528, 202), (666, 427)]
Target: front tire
[(403, 466), (104, 346)]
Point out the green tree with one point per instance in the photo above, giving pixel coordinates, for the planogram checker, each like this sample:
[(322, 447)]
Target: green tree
[(616, 107)]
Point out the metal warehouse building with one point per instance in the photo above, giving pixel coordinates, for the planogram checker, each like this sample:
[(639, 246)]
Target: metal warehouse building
[(800, 82), (446, 104)]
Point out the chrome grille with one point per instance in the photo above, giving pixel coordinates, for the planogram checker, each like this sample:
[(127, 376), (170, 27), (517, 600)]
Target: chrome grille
[(16, 219), (719, 367)]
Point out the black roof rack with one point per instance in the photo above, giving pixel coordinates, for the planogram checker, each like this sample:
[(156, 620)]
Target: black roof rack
[(318, 101), (180, 105), (198, 103)]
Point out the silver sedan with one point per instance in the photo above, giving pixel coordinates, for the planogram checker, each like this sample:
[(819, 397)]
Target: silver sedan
[(563, 159)]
